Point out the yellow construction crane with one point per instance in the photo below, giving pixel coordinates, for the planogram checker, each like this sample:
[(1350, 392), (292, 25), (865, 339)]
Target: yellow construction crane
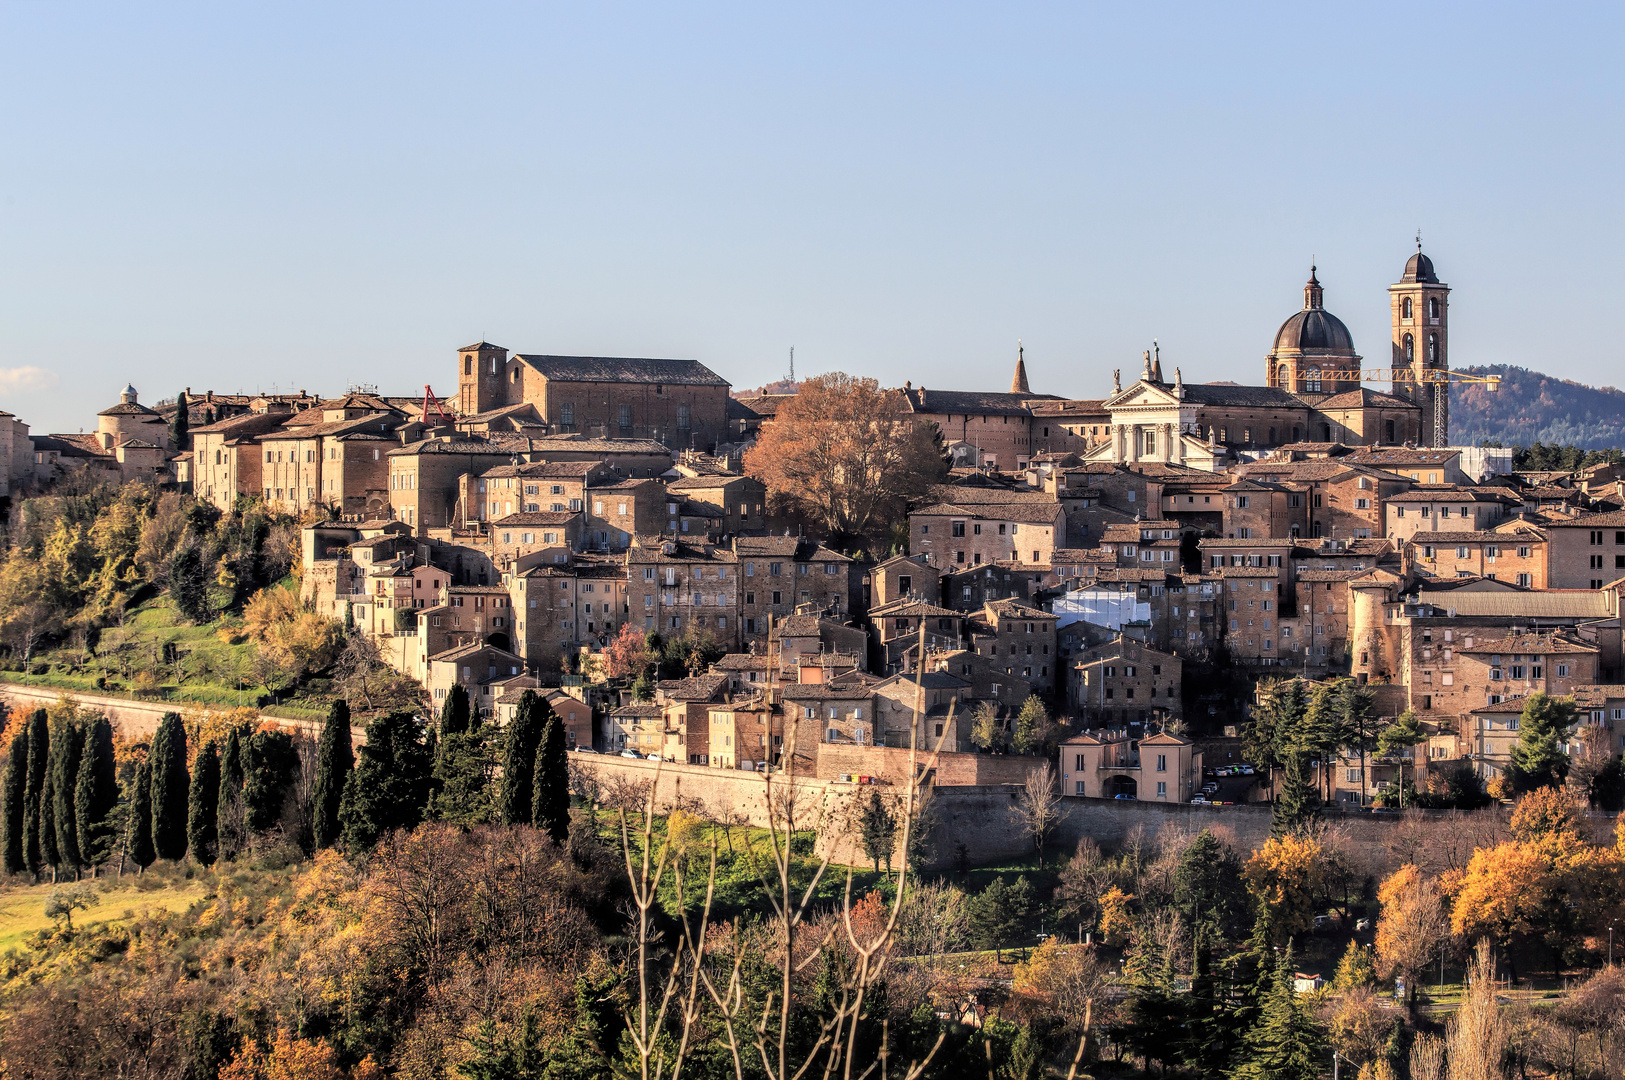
[(1433, 376)]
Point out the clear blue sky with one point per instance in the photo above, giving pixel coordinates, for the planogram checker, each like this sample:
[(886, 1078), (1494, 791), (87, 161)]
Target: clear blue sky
[(235, 196)]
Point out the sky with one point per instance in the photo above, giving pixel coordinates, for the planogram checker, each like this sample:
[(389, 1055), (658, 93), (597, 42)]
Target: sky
[(306, 196)]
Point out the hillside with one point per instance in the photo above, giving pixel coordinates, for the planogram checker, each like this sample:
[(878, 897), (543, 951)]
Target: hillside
[(1531, 407)]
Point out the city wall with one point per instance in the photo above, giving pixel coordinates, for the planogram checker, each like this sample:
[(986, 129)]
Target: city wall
[(133, 719)]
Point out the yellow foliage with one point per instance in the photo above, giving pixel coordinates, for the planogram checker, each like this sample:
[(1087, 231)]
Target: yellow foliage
[(1545, 812), (290, 1058), (1398, 883), (267, 608), (1116, 919), (205, 725), (683, 831), (1503, 886), (1285, 876)]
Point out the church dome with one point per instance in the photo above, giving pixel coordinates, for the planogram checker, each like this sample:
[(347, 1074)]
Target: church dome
[(1419, 269), (1314, 329)]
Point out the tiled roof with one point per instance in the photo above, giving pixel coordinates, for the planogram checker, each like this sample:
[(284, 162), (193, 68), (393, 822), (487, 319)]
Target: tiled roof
[(694, 688), (502, 444), (821, 691), (1363, 398), (1013, 609), (970, 402), (912, 608), (1218, 394), (1449, 539), (608, 369), (537, 517), (1611, 519), (1534, 644)]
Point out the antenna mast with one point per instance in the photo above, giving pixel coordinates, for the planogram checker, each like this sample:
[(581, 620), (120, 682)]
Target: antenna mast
[(792, 364)]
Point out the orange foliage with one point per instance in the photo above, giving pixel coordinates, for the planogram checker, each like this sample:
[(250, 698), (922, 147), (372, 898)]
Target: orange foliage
[(290, 1059), (1285, 876), (1502, 888), (1545, 812)]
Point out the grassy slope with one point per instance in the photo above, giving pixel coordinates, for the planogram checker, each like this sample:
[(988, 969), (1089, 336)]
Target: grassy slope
[(22, 909)]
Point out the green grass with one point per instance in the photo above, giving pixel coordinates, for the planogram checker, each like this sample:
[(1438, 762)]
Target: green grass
[(22, 908)]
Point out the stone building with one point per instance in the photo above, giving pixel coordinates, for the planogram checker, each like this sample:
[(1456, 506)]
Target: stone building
[(1125, 681), (1118, 764), (679, 403), (780, 575), (1018, 639)]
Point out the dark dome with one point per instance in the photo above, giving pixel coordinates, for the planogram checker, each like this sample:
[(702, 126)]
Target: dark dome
[(1419, 269), (1314, 330)]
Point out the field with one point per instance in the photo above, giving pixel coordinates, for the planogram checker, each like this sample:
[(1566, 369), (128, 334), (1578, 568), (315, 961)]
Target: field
[(22, 908)]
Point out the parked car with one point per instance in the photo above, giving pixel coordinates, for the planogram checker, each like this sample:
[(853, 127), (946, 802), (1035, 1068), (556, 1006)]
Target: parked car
[(1200, 800), (1134, 797), (1246, 770), (583, 749), (655, 757), (631, 754)]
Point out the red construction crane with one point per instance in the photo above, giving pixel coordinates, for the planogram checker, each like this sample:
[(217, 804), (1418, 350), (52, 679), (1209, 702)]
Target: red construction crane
[(430, 400)]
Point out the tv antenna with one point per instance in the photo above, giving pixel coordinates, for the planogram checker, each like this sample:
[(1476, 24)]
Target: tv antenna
[(792, 364)]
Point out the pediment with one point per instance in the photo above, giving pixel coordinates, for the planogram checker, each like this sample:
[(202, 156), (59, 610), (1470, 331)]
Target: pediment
[(1140, 395)]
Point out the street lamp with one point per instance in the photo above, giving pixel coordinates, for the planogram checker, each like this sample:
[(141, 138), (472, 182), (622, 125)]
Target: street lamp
[(1610, 946)]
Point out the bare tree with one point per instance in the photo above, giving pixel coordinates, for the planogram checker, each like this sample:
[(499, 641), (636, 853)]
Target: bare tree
[(1039, 807)]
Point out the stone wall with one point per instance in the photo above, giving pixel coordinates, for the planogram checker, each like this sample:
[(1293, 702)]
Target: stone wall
[(132, 719)]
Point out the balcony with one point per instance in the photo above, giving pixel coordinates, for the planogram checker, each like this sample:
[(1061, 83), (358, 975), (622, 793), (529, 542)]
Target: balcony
[(1114, 764)]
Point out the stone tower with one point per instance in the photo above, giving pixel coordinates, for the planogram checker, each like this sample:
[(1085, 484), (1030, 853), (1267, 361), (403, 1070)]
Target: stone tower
[(481, 371), (1421, 320)]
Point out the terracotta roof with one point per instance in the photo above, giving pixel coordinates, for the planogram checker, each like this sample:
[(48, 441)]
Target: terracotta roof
[(694, 688), (1014, 609), (1449, 539), (607, 369), (538, 517)]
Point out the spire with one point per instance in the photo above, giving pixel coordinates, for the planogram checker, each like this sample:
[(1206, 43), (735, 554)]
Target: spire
[(1018, 384), (1312, 292), (1156, 361)]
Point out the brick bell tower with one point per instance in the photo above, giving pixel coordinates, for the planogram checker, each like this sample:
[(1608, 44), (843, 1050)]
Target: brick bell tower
[(480, 369), (1421, 320)]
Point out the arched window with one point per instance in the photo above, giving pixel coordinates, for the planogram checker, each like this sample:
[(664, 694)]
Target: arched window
[(1433, 348), (468, 365), (1325, 433), (1405, 308), (1433, 307), (1410, 349)]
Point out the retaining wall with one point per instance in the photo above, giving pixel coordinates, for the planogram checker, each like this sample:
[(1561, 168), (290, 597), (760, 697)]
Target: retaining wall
[(133, 719)]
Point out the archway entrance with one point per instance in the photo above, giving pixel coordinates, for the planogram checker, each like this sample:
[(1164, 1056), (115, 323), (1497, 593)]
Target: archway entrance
[(1123, 785)]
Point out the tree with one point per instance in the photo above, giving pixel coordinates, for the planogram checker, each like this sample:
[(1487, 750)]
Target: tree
[(1410, 928), (1299, 802), (1285, 1043), (997, 915), (1399, 737), (189, 584), (1284, 877), (846, 456), (1030, 724), (462, 776), (231, 829), (96, 793), (550, 792), (15, 792), (1355, 971), (519, 760), (1039, 806), (62, 903), (49, 853), (628, 655), (203, 806), (39, 753), (1277, 715), (142, 852), (877, 830), (1117, 921), (1207, 884), (170, 787), (986, 733), (65, 751), (389, 786), (335, 757), (1538, 759), (269, 763), (179, 428), (454, 714)]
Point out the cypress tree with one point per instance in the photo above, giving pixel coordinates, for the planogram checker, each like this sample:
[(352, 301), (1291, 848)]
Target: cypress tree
[(389, 786), (64, 784), (550, 792), (180, 427), (269, 762), (203, 806), (39, 750), (1285, 1044), (454, 713), (519, 761), (229, 804), (47, 814), (14, 790), (140, 824), (95, 795), (170, 788), (335, 758), (1298, 801)]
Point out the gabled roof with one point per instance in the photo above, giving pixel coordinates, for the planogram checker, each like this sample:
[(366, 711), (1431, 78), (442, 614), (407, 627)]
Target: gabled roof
[(1533, 644), (694, 688), (612, 369), (970, 402), (1014, 609), (537, 517)]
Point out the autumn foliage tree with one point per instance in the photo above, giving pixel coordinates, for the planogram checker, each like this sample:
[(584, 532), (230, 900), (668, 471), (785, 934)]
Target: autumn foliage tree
[(1411, 927), (846, 456), (1284, 877), (628, 655)]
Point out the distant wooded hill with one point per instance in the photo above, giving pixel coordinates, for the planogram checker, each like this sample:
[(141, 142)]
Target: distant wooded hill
[(1531, 407)]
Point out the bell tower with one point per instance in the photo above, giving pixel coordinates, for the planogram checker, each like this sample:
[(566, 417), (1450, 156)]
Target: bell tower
[(480, 368), (1420, 305)]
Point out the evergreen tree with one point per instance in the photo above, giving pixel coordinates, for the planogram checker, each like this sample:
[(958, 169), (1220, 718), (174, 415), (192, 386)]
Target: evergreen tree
[(230, 829), (180, 427), (47, 814), (39, 751), (1355, 971), (335, 757), (1278, 714), (1208, 1042), (65, 753), (96, 792), (269, 763), (462, 779), (1298, 802), (389, 785), (170, 783), (1151, 1019), (14, 790), (519, 761), (454, 713), (140, 823), (550, 792), (1538, 757), (189, 585), (1207, 886), (877, 830), (1030, 723), (1285, 1043), (202, 810)]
